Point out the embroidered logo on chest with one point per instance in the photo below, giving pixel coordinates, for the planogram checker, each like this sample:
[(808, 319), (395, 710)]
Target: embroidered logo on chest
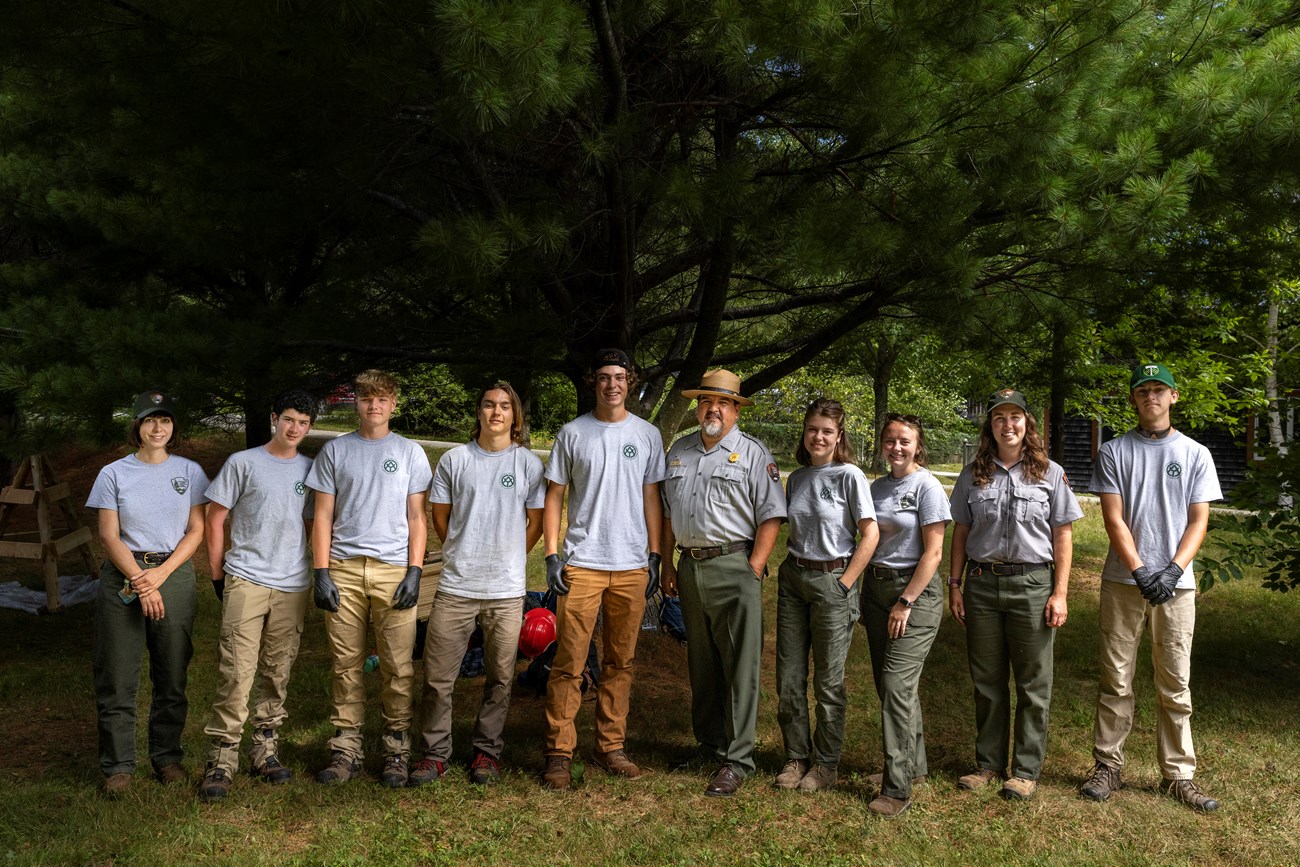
[(390, 466), (299, 488), (180, 484), (508, 480), (629, 451), (1173, 469)]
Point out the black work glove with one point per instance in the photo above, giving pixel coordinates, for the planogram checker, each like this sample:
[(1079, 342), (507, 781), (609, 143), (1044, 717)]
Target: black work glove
[(555, 575), (1146, 582), (653, 567), (219, 588), (844, 591), (1167, 580), (326, 595), (408, 592)]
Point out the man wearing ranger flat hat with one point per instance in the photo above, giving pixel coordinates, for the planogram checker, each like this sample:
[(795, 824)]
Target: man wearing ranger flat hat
[(723, 505)]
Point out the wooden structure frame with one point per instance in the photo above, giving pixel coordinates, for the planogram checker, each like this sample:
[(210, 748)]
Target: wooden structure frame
[(34, 484)]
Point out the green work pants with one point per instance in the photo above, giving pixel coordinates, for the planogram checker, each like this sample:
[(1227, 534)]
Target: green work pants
[(812, 615), (896, 665), (722, 606), (121, 633), (1007, 634)]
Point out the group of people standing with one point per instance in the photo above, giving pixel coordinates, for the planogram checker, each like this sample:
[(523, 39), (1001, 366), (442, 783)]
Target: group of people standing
[(700, 523)]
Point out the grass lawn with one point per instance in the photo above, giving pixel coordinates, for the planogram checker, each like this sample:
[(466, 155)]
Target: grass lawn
[(1246, 684)]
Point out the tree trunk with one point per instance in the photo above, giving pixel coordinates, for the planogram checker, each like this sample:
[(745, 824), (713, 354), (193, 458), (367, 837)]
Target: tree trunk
[(257, 412), (881, 368), (1270, 380), (1059, 386)]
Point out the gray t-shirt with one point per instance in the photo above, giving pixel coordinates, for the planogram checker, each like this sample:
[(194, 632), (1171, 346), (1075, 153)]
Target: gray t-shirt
[(720, 496), (1011, 518), (1157, 480), (903, 507), (268, 499), (824, 505), (370, 481), (483, 556), (606, 466), (152, 501)]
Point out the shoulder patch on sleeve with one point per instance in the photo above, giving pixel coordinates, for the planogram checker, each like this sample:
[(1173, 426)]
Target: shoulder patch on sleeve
[(773, 473)]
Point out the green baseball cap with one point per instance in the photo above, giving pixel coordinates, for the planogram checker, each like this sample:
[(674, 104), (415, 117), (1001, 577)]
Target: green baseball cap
[(1151, 373), (1007, 395)]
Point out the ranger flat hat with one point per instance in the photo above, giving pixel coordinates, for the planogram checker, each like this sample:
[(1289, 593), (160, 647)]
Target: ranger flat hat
[(1151, 373), (719, 382), (149, 403)]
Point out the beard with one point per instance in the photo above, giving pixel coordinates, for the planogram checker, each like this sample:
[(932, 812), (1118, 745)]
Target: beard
[(712, 427)]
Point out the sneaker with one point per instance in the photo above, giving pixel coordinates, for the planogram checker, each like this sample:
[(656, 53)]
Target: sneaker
[(273, 772), (426, 770), (1102, 782), (394, 775), (978, 779), (339, 770), (171, 775), (791, 773), (116, 785), (889, 808), (1019, 789), (484, 770), (819, 778), (215, 785), (616, 763), (557, 776), (1190, 794)]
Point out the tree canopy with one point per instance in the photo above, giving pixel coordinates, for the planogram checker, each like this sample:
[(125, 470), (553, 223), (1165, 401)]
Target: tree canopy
[(220, 199)]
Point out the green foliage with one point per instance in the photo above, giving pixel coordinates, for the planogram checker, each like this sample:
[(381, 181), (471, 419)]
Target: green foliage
[(435, 402), (1266, 541)]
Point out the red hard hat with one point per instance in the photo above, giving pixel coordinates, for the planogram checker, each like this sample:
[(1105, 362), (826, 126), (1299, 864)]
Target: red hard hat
[(537, 632)]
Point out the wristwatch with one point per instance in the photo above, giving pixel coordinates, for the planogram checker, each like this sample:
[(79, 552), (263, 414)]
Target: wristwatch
[(903, 601), (954, 582)]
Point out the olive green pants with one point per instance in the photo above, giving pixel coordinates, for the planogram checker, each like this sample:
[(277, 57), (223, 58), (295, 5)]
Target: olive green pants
[(1007, 634), (896, 665), (813, 616), (722, 606)]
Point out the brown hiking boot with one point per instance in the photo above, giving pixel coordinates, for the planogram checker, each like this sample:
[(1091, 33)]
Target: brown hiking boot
[(116, 785), (339, 770), (889, 808), (215, 785), (395, 771), (616, 763), (426, 770), (273, 772), (557, 776), (791, 774), (1019, 789), (1102, 782), (171, 775), (978, 779), (1190, 794), (819, 778)]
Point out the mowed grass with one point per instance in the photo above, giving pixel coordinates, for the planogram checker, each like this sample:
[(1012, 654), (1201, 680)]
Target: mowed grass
[(1245, 686)]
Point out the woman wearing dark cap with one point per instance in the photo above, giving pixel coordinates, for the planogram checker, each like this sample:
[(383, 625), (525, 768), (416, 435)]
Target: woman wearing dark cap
[(150, 521), (1012, 514), (902, 602)]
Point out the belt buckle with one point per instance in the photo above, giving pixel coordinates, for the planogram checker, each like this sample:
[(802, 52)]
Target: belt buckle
[(695, 553), (150, 558)]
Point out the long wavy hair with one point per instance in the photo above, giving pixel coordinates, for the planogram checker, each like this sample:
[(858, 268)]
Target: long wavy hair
[(1033, 458), (834, 411), (516, 412)]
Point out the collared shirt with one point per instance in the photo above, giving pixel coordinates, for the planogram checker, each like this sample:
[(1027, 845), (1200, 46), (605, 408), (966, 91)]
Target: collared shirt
[(720, 495), (1011, 518)]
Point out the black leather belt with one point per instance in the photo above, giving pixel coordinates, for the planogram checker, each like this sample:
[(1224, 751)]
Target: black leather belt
[(152, 558), (1004, 568), (884, 572), (822, 565), (717, 550)]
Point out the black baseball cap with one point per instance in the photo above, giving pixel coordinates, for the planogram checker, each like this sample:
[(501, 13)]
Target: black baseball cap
[(149, 403), (611, 358)]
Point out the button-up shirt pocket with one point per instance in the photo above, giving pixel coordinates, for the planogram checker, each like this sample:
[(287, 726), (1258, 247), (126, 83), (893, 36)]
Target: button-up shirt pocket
[(1031, 505)]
